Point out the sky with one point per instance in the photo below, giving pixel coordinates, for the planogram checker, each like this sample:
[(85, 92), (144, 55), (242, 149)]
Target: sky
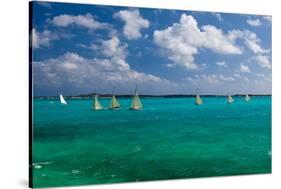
[(80, 49)]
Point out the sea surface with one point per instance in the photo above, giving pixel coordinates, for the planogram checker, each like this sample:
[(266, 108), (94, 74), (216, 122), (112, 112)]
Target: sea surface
[(171, 138)]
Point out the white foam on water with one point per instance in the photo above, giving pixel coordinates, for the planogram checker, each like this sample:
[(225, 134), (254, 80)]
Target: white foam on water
[(137, 148), (75, 171), (38, 166), (42, 163)]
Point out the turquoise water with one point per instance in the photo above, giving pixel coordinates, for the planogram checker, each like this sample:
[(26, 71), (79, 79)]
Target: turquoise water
[(170, 138)]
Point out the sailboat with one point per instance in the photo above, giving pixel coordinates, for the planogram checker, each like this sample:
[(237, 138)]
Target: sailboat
[(136, 103), (96, 104), (114, 104), (230, 100), (62, 101), (198, 100), (247, 98)]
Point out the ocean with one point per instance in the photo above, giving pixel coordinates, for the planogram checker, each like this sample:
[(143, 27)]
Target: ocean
[(170, 138)]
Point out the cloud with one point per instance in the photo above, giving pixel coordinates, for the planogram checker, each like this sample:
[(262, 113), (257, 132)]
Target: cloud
[(211, 79), (182, 40), (85, 21), (77, 72), (253, 42), (224, 78), (263, 61), (268, 18), (254, 22), (237, 75), (134, 23), (113, 47), (244, 68), (44, 4), (40, 39), (221, 63), (250, 39), (217, 15)]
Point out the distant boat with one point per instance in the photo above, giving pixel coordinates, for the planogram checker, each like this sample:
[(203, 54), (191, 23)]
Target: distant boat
[(136, 103), (114, 104), (198, 100), (230, 100), (247, 98), (62, 101), (96, 104)]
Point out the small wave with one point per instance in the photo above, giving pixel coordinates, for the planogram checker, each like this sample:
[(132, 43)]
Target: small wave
[(38, 166), (42, 163), (137, 149), (269, 153), (251, 136), (75, 171)]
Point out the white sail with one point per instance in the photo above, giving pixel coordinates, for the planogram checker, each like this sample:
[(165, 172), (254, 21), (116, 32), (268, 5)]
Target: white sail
[(247, 98), (114, 104), (198, 100), (96, 104), (230, 100), (62, 101), (136, 102)]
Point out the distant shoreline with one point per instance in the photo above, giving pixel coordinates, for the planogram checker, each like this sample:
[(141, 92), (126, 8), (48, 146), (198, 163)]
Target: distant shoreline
[(144, 96)]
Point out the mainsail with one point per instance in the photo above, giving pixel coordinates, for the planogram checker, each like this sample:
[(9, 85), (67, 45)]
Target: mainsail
[(96, 104), (198, 100), (230, 99), (136, 103), (247, 98), (114, 104), (62, 101)]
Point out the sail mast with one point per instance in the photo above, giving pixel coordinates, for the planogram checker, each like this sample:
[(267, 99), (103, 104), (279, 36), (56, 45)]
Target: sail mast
[(247, 98), (198, 100), (136, 103), (230, 100), (114, 104)]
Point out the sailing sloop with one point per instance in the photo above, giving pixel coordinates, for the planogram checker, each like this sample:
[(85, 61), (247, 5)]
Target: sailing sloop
[(96, 104), (136, 103), (198, 100), (62, 101), (230, 100), (114, 104), (247, 98)]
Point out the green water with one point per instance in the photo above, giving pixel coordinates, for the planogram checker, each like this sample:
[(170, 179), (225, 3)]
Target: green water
[(170, 138)]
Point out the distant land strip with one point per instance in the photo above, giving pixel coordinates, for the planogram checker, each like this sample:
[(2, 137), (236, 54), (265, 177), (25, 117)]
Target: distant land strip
[(87, 96)]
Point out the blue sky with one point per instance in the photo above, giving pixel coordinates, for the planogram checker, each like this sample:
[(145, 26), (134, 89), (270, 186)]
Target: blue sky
[(78, 49)]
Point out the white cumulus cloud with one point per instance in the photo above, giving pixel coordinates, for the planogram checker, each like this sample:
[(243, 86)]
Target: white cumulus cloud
[(263, 61), (250, 39), (254, 22), (87, 21), (76, 71), (221, 63), (134, 23), (40, 39), (182, 41), (244, 68)]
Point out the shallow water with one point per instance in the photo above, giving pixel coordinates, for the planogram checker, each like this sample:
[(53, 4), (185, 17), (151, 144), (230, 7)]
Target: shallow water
[(170, 138)]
